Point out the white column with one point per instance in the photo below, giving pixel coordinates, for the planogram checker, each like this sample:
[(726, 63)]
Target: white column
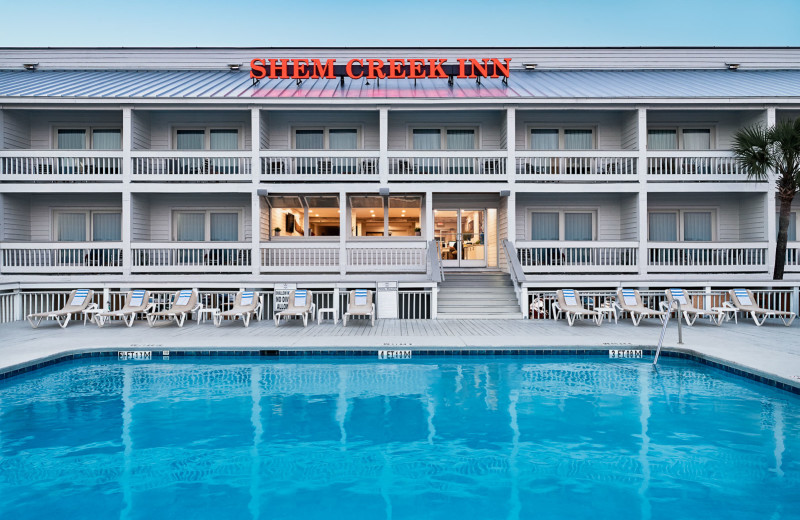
[(642, 200), (344, 231), (511, 217), (428, 230), (255, 203), (511, 143), (383, 135), (125, 214), (772, 209)]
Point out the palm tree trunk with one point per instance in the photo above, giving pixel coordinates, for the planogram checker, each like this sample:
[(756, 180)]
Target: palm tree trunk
[(783, 234)]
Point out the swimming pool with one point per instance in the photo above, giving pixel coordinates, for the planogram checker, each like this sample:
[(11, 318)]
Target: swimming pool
[(559, 437)]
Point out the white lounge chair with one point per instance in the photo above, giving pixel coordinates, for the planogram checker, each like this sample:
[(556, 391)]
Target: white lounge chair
[(301, 303), (183, 303), (246, 305), (744, 301), (135, 302), (78, 301), (359, 303), (629, 300), (569, 302), (688, 310)]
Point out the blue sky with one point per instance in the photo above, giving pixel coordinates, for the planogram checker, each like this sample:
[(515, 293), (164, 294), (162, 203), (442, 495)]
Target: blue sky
[(399, 23)]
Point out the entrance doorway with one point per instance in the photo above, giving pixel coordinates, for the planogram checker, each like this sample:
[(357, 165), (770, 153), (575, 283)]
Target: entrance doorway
[(461, 237)]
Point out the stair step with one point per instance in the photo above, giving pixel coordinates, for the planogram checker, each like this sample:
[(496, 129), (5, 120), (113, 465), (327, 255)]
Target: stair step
[(475, 316), (469, 292)]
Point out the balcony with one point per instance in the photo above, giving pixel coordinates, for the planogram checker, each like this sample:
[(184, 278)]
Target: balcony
[(191, 257), (185, 166), (60, 166), (300, 257), (576, 166), (437, 165), (330, 165), (792, 257), (550, 257), (677, 166), (61, 257), (689, 257), (367, 257)]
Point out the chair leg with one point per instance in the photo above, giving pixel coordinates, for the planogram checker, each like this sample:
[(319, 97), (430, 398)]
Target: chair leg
[(598, 319), (755, 318), (791, 319), (245, 319), (305, 319), (37, 319), (129, 319), (373, 318), (180, 319), (689, 320), (66, 321), (344, 320), (570, 319), (636, 319)]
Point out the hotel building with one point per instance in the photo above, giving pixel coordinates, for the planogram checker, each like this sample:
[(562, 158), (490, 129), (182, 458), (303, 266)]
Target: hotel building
[(590, 168)]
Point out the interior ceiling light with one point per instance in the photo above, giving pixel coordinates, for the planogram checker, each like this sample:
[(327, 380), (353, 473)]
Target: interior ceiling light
[(30, 66), (234, 66), (529, 66), (732, 66)]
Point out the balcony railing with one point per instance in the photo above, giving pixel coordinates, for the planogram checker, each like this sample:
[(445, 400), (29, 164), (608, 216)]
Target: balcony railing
[(676, 165), (195, 257), (392, 257), (577, 166), (60, 166), (186, 166), (480, 165), (792, 257), (300, 257), (302, 165), (61, 257), (577, 256), (689, 257)]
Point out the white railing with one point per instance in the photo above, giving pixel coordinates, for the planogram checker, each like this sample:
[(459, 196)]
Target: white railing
[(577, 256), (196, 257), (440, 165), (303, 165), (574, 166), (413, 304), (692, 257), (60, 166), (61, 257), (387, 257), (186, 166), (303, 257), (694, 166), (792, 257), (8, 301)]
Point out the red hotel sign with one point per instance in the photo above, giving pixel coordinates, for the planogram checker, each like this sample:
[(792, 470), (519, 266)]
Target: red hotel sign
[(395, 68)]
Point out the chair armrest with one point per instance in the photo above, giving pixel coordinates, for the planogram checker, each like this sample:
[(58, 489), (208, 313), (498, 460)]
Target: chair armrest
[(664, 306), (92, 306), (729, 305), (197, 307)]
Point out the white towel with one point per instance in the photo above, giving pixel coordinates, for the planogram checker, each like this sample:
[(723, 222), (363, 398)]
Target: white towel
[(137, 298), (247, 298), (678, 296), (629, 296), (743, 297), (300, 298), (80, 297), (361, 297), (569, 297), (183, 298)]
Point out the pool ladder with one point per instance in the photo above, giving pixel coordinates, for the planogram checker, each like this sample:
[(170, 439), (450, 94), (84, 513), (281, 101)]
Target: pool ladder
[(664, 328)]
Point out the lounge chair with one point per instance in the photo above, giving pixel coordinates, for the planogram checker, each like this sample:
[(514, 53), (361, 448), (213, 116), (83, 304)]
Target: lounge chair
[(569, 302), (629, 300), (78, 301), (246, 305), (360, 303), (689, 311), (183, 303), (135, 302), (744, 301), (301, 303)]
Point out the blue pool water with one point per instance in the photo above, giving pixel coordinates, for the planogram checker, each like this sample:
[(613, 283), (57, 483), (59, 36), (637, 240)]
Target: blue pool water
[(445, 438)]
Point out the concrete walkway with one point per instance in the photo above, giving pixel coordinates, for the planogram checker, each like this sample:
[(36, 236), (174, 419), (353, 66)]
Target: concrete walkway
[(771, 351)]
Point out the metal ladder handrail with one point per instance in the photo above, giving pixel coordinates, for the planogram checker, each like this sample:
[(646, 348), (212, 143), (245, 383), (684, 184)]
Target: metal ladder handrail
[(664, 328)]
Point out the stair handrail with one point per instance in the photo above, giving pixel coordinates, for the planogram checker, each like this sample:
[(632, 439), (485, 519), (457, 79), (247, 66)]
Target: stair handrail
[(664, 328), (435, 260), (517, 275)]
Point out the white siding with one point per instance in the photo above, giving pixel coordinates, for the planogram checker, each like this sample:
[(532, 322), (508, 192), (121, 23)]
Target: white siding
[(264, 138), (726, 205), (140, 128), (752, 217), (163, 205), (609, 207), (502, 232), (282, 122), (16, 130), (630, 131), (263, 221), (628, 217), (724, 122), (140, 218), (163, 122), (45, 122), (488, 122), (16, 225), (43, 205), (606, 124)]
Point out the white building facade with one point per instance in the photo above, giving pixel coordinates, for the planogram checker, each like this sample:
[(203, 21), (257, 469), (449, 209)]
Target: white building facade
[(586, 168)]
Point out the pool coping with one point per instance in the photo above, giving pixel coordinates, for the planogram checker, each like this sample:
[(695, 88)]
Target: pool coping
[(362, 352)]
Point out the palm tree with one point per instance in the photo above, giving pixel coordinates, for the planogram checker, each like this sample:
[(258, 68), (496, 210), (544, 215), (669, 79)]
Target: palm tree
[(758, 150)]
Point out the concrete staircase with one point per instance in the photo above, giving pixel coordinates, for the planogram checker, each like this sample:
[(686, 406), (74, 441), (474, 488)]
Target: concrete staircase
[(477, 296)]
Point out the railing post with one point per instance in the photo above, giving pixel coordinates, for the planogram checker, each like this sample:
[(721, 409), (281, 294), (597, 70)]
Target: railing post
[(511, 144), (794, 301), (434, 301), (383, 141), (19, 312), (344, 231)]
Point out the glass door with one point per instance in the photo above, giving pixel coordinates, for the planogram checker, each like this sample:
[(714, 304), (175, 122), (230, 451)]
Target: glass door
[(461, 237)]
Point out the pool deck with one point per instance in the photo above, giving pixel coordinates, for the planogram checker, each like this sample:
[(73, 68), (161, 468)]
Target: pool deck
[(771, 351)]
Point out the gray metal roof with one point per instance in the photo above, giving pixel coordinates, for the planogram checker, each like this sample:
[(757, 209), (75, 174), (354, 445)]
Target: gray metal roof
[(600, 84)]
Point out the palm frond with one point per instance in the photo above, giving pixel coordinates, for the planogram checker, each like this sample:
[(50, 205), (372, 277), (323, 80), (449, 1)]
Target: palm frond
[(752, 149)]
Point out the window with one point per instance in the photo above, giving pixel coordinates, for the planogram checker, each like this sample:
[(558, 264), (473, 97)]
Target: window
[(309, 216), (679, 139), (681, 226), (89, 139), (204, 226), (563, 225), (443, 139), (207, 139), (326, 139), (368, 217), (76, 226), (792, 231), (562, 139)]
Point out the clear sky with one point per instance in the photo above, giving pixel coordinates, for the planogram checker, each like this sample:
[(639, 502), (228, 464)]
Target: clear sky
[(267, 23)]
